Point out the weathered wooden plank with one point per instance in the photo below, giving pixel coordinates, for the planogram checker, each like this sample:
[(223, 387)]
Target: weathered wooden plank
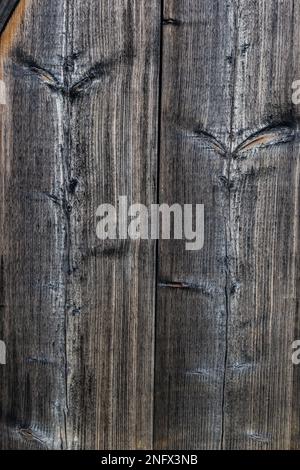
[(263, 230), (80, 129), (224, 375), (198, 41), (113, 128), (79, 94), (6, 9), (33, 401)]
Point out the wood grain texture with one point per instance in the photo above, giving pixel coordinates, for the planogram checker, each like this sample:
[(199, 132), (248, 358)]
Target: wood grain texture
[(80, 129), (224, 374), (263, 230), (198, 39), (131, 345), (6, 9)]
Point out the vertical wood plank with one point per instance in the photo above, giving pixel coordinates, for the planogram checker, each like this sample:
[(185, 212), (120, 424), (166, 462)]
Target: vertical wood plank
[(198, 42), (113, 152), (263, 229), (224, 375), (33, 399), (80, 129)]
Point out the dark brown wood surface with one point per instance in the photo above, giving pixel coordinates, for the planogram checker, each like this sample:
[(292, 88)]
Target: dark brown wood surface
[(137, 344)]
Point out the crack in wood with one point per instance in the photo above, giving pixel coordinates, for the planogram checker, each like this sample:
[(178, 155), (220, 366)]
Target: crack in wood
[(259, 437), (274, 134), (171, 22), (7, 8), (95, 73), (39, 360), (207, 288), (211, 141), (29, 435)]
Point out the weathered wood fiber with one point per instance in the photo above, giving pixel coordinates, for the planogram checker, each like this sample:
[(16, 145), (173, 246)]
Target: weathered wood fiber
[(80, 129), (198, 38), (6, 9), (224, 374), (263, 231), (126, 344)]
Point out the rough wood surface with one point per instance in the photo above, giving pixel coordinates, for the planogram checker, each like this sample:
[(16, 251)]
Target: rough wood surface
[(263, 230), (127, 344), (80, 129), (191, 320), (224, 374), (6, 9)]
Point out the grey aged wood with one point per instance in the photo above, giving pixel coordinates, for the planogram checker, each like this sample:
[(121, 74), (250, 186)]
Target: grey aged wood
[(263, 230), (126, 344), (198, 42), (6, 9), (79, 129), (226, 315)]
